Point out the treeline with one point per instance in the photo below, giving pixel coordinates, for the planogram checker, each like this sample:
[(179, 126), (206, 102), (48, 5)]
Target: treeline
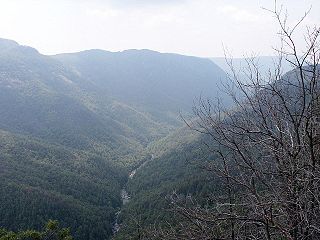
[(51, 231)]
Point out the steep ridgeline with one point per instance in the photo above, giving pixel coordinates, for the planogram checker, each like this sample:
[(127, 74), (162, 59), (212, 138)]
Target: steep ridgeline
[(72, 127)]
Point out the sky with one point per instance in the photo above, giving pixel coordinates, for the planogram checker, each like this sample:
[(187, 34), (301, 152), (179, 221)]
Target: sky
[(201, 28)]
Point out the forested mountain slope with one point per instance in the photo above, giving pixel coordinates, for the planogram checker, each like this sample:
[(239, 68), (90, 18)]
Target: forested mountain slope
[(72, 126), (186, 167), (156, 83), (42, 98), (179, 168), (41, 182)]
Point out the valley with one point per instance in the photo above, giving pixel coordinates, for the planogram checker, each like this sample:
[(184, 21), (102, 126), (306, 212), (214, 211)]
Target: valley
[(124, 195), (78, 129), (159, 120), (109, 145), (98, 140)]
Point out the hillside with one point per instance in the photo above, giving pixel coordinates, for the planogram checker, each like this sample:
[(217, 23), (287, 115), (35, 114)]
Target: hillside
[(42, 98), (41, 182), (178, 168), (158, 84), (181, 163), (72, 126)]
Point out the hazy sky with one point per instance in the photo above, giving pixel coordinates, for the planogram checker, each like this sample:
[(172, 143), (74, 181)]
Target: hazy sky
[(191, 27)]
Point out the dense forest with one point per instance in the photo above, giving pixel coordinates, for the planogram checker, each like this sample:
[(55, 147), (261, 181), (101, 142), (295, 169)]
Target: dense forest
[(145, 145), (178, 169), (71, 132)]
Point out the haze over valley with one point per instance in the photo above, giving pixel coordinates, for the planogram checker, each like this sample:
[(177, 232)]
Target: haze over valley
[(159, 120), (78, 121)]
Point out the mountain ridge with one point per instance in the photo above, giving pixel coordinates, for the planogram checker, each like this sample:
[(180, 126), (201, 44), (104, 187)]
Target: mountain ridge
[(80, 122)]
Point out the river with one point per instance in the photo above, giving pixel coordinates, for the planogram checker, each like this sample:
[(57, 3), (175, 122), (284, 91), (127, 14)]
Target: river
[(125, 197)]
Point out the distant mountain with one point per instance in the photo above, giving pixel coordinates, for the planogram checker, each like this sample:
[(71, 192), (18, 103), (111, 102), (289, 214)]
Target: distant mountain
[(156, 83), (41, 97), (265, 63), (73, 125)]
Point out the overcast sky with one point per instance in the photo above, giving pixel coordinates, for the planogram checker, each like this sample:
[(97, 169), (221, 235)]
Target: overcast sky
[(190, 27)]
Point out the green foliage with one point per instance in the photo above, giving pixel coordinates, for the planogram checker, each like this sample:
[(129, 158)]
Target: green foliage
[(178, 168), (72, 127), (40, 181), (52, 231)]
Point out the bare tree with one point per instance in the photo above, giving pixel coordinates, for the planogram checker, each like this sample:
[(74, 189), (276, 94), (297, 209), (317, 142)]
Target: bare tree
[(268, 148)]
